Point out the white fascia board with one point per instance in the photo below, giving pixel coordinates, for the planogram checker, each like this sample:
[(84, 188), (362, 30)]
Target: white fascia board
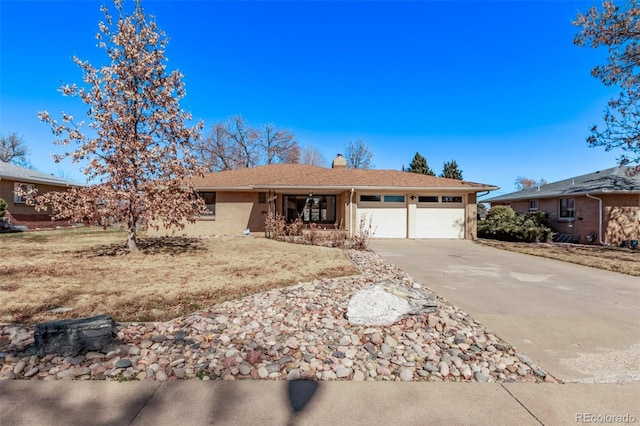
[(378, 188)]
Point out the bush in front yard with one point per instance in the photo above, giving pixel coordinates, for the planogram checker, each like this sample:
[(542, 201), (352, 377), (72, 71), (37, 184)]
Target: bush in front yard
[(3, 207), (278, 229), (503, 223)]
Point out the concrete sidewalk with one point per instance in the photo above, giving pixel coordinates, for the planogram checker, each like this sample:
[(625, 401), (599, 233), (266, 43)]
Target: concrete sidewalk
[(196, 402)]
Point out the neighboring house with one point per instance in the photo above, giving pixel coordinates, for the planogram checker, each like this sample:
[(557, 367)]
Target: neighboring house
[(13, 177), (399, 204), (601, 207)]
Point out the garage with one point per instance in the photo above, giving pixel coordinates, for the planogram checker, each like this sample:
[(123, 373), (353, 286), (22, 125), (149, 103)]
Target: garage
[(387, 213), (440, 216)]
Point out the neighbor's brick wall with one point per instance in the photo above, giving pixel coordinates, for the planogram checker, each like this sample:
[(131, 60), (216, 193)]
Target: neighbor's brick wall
[(23, 214), (6, 192), (621, 217)]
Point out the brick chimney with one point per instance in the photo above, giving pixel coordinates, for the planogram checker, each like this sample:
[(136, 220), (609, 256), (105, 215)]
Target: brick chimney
[(339, 162)]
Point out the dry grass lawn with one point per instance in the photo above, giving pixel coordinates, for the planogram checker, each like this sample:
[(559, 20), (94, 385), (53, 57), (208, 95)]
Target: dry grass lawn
[(626, 261), (87, 270)]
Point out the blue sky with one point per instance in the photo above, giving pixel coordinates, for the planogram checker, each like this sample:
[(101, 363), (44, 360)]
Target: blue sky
[(496, 85)]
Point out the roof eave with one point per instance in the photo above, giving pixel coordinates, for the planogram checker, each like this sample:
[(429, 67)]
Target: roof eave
[(347, 188), (562, 194)]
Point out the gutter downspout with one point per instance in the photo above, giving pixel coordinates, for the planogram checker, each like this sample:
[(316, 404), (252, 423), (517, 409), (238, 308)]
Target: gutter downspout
[(599, 217), (351, 213)]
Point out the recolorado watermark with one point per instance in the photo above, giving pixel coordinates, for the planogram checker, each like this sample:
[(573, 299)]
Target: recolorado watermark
[(605, 418)]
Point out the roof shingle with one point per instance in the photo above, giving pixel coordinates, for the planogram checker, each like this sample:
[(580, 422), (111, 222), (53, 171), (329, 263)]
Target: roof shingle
[(615, 179), (14, 172), (306, 176)]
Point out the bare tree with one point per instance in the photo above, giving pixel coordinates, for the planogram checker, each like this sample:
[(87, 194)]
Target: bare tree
[(244, 142), (293, 154), (359, 155), (139, 149), (310, 155), (13, 150), (617, 28), (228, 146), (234, 145), (275, 143), (214, 152), (526, 183)]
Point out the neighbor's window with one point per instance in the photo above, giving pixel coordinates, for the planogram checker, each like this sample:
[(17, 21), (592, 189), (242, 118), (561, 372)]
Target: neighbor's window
[(210, 200), (451, 199), (533, 205), (394, 198), (262, 197), (567, 208), (24, 187), (427, 198), (373, 198)]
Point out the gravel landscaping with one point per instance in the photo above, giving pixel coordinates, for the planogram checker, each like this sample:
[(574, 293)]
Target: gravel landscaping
[(298, 332)]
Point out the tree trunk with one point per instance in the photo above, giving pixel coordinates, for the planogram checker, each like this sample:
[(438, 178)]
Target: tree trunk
[(132, 243)]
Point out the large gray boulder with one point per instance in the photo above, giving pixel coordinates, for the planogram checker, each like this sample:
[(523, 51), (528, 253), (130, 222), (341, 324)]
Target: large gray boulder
[(74, 336), (386, 303)]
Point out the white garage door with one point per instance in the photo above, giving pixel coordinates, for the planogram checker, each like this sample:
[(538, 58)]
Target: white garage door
[(439, 222), (387, 222)]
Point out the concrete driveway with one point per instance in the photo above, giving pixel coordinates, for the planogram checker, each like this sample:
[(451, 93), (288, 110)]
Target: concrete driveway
[(580, 324)]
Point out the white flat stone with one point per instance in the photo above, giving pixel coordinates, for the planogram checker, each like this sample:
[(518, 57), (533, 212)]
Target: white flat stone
[(375, 306)]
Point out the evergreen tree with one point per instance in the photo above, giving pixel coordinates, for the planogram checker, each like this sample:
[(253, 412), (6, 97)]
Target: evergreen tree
[(419, 165), (451, 170)]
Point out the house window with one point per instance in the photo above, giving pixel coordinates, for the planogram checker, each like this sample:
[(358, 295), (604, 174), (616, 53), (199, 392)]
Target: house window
[(533, 205), (451, 199), (310, 208), (428, 199), (394, 198), (371, 198), (210, 201), (262, 197), (567, 208), (24, 187)]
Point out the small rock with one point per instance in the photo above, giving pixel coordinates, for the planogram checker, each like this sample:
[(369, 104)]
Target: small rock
[(273, 368), (244, 368), (370, 348), (146, 344), (31, 372), (480, 377), (294, 374), (390, 341), (177, 362), (180, 373), (430, 367), (328, 375), (343, 372), (263, 372), (123, 363), (159, 338), (524, 358), (406, 374), (19, 367), (443, 367)]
